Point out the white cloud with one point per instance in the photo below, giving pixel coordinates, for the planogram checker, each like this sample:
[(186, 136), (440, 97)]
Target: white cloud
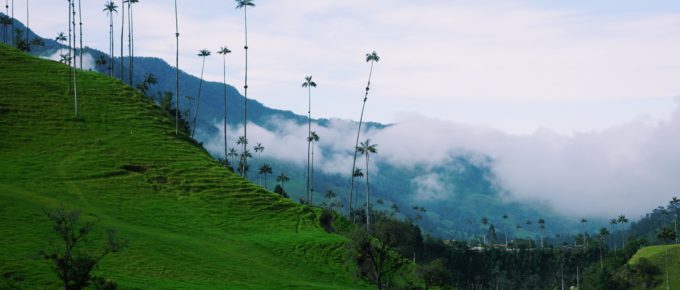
[(88, 60)]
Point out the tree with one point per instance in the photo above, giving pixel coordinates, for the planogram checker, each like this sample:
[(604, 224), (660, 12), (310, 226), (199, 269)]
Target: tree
[(122, 41), (232, 154), (541, 226), (505, 229), (72, 262), (585, 242), (613, 222), (5, 21), (224, 51), (372, 58), (603, 236), (264, 170), (282, 179), (674, 205), (242, 163), (72, 57), (176, 71), (623, 220), (433, 274), (309, 84), (131, 40), (80, 23), (149, 80), (244, 4), (110, 8), (202, 53), (366, 148), (329, 195), (666, 235), (375, 258), (312, 139)]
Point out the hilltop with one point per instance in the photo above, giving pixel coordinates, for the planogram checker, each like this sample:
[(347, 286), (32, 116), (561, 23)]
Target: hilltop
[(190, 222)]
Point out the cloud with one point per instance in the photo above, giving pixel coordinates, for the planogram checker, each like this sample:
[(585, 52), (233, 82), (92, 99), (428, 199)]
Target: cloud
[(625, 169), (88, 60)]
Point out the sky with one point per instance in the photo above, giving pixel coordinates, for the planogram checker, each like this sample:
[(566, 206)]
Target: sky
[(579, 95)]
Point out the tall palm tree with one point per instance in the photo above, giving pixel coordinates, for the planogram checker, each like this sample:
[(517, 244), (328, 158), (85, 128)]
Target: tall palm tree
[(72, 45), (28, 43), (585, 242), (131, 40), (202, 53), (357, 174), (242, 164), (675, 205), (505, 231), (312, 139), (110, 8), (176, 72), (264, 170), (244, 4), (232, 154), (282, 178), (613, 223), (485, 223), (372, 58), (258, 150), (122, 41), (541, 226), (60, 38), (623, 220), (80, 22), (224, 51), (309, 84), (366, 148), (665, 235), (603, 236)]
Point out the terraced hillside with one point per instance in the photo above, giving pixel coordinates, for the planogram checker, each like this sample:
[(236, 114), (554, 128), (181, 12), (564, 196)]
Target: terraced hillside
[(190, 223), (656, 255)]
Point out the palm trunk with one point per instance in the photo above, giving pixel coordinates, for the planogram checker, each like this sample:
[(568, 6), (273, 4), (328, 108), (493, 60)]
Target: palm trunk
[(245, 95), (130, 43), (28, 43), (75, 75), (13, 42), (198, 100), (311, 182), (668, 283), (368, 198), (361, 118), (309, 136), (224, 79), (68, 60), (176, 72), (80, 21), (122, 41), (111, 43)]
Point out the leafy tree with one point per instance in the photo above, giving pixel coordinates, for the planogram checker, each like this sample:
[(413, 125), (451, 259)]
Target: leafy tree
[(666, 235), (264, 170), (433, 274), (110, 7), (72, 261), (366, 148), (375, 258), (224, 51), (309, 84), (372, 58), (203, 53), (243, 4)]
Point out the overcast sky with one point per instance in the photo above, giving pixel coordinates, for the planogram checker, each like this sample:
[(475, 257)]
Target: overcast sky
[(513, 65)]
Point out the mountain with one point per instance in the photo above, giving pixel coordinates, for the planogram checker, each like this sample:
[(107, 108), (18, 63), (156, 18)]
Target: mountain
[(473, 192), (189, 223)]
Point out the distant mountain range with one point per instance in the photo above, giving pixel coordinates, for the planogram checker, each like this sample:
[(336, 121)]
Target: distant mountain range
[(474, 193)]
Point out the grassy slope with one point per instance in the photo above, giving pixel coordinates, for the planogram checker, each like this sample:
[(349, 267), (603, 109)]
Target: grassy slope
[(656, 255), (190, 223)]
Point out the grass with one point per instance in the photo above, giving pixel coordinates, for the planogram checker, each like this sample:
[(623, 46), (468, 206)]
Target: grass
[(190, 223), (656, 255)]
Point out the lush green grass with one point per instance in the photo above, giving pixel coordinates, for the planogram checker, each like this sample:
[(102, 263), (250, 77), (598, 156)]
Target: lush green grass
[(190, 223), (656, 255)]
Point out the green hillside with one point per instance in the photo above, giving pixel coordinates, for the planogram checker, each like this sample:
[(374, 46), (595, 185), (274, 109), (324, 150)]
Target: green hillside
[(190, 223), (656, 255)]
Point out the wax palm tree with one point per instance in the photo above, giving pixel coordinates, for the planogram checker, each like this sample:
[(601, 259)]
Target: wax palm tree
[(258, 150), (603, 236), (60, 38), (675, 205), (329, 195), (224, 51), (585, 242), (541, 226), (613, 222), (14, 21), (623, 220), (366, 148), (131, 39), (122, 43), (80, 23), (264, 170), (666, 235), (312, 139), (202, 53), (282, 178), (505, 231), (232, 154), (372, 58), (5, 21), (243, 4), (242, 163), (110, 8), (309, 84), (485, 224), (176, 71)]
